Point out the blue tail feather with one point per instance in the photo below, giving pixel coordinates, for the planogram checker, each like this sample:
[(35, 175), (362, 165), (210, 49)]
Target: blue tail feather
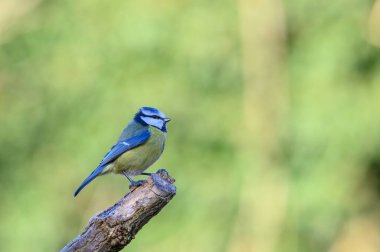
[(90, 178)]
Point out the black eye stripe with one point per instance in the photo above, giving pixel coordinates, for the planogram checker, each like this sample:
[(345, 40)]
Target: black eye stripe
[(151, 116)]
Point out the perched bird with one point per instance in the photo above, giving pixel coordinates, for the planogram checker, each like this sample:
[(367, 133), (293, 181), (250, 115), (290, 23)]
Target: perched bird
[(140, 145)]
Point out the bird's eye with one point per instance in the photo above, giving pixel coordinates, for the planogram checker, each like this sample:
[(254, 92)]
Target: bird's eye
[(155, 117)]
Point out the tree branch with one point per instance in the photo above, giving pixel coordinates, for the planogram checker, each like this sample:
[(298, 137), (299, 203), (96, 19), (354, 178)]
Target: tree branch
[(114, 228)]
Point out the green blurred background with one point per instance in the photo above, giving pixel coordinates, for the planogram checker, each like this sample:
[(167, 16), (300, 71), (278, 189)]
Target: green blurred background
[(275, 137)]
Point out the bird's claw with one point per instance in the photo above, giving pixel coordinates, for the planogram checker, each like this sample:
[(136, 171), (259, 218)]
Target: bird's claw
[(135, 184)]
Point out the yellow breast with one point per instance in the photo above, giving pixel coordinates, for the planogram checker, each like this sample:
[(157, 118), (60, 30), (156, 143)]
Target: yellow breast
[(135, 161)]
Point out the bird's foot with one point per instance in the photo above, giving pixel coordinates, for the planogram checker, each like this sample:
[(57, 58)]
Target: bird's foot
[(135, 184)]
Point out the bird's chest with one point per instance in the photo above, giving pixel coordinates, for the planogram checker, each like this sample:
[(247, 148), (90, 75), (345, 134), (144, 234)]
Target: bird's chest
[(138, 159)]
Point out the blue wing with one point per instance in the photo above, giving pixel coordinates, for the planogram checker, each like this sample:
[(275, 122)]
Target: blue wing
[(116, 150), (124, 146)]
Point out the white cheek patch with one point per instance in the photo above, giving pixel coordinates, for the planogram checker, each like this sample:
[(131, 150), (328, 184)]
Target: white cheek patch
[(153, 122)]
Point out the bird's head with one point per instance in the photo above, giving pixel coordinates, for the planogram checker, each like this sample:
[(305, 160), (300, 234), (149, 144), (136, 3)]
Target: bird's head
[(152, 117)]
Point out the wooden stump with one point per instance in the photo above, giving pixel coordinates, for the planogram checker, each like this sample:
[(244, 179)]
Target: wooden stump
[(114, 228)]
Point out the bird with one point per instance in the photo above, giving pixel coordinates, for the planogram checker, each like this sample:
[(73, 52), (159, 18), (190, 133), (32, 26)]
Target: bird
[(140, 145)]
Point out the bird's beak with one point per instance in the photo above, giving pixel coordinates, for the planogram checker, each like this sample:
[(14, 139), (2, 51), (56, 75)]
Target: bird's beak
[(167, 120)]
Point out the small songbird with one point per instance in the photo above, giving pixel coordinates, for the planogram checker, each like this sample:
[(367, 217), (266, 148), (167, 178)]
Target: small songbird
[(140, 145)]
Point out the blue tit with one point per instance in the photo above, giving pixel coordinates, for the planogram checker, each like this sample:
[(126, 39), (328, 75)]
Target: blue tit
[(140, 145)]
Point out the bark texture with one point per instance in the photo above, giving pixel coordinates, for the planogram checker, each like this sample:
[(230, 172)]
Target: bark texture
[(114, 228)]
